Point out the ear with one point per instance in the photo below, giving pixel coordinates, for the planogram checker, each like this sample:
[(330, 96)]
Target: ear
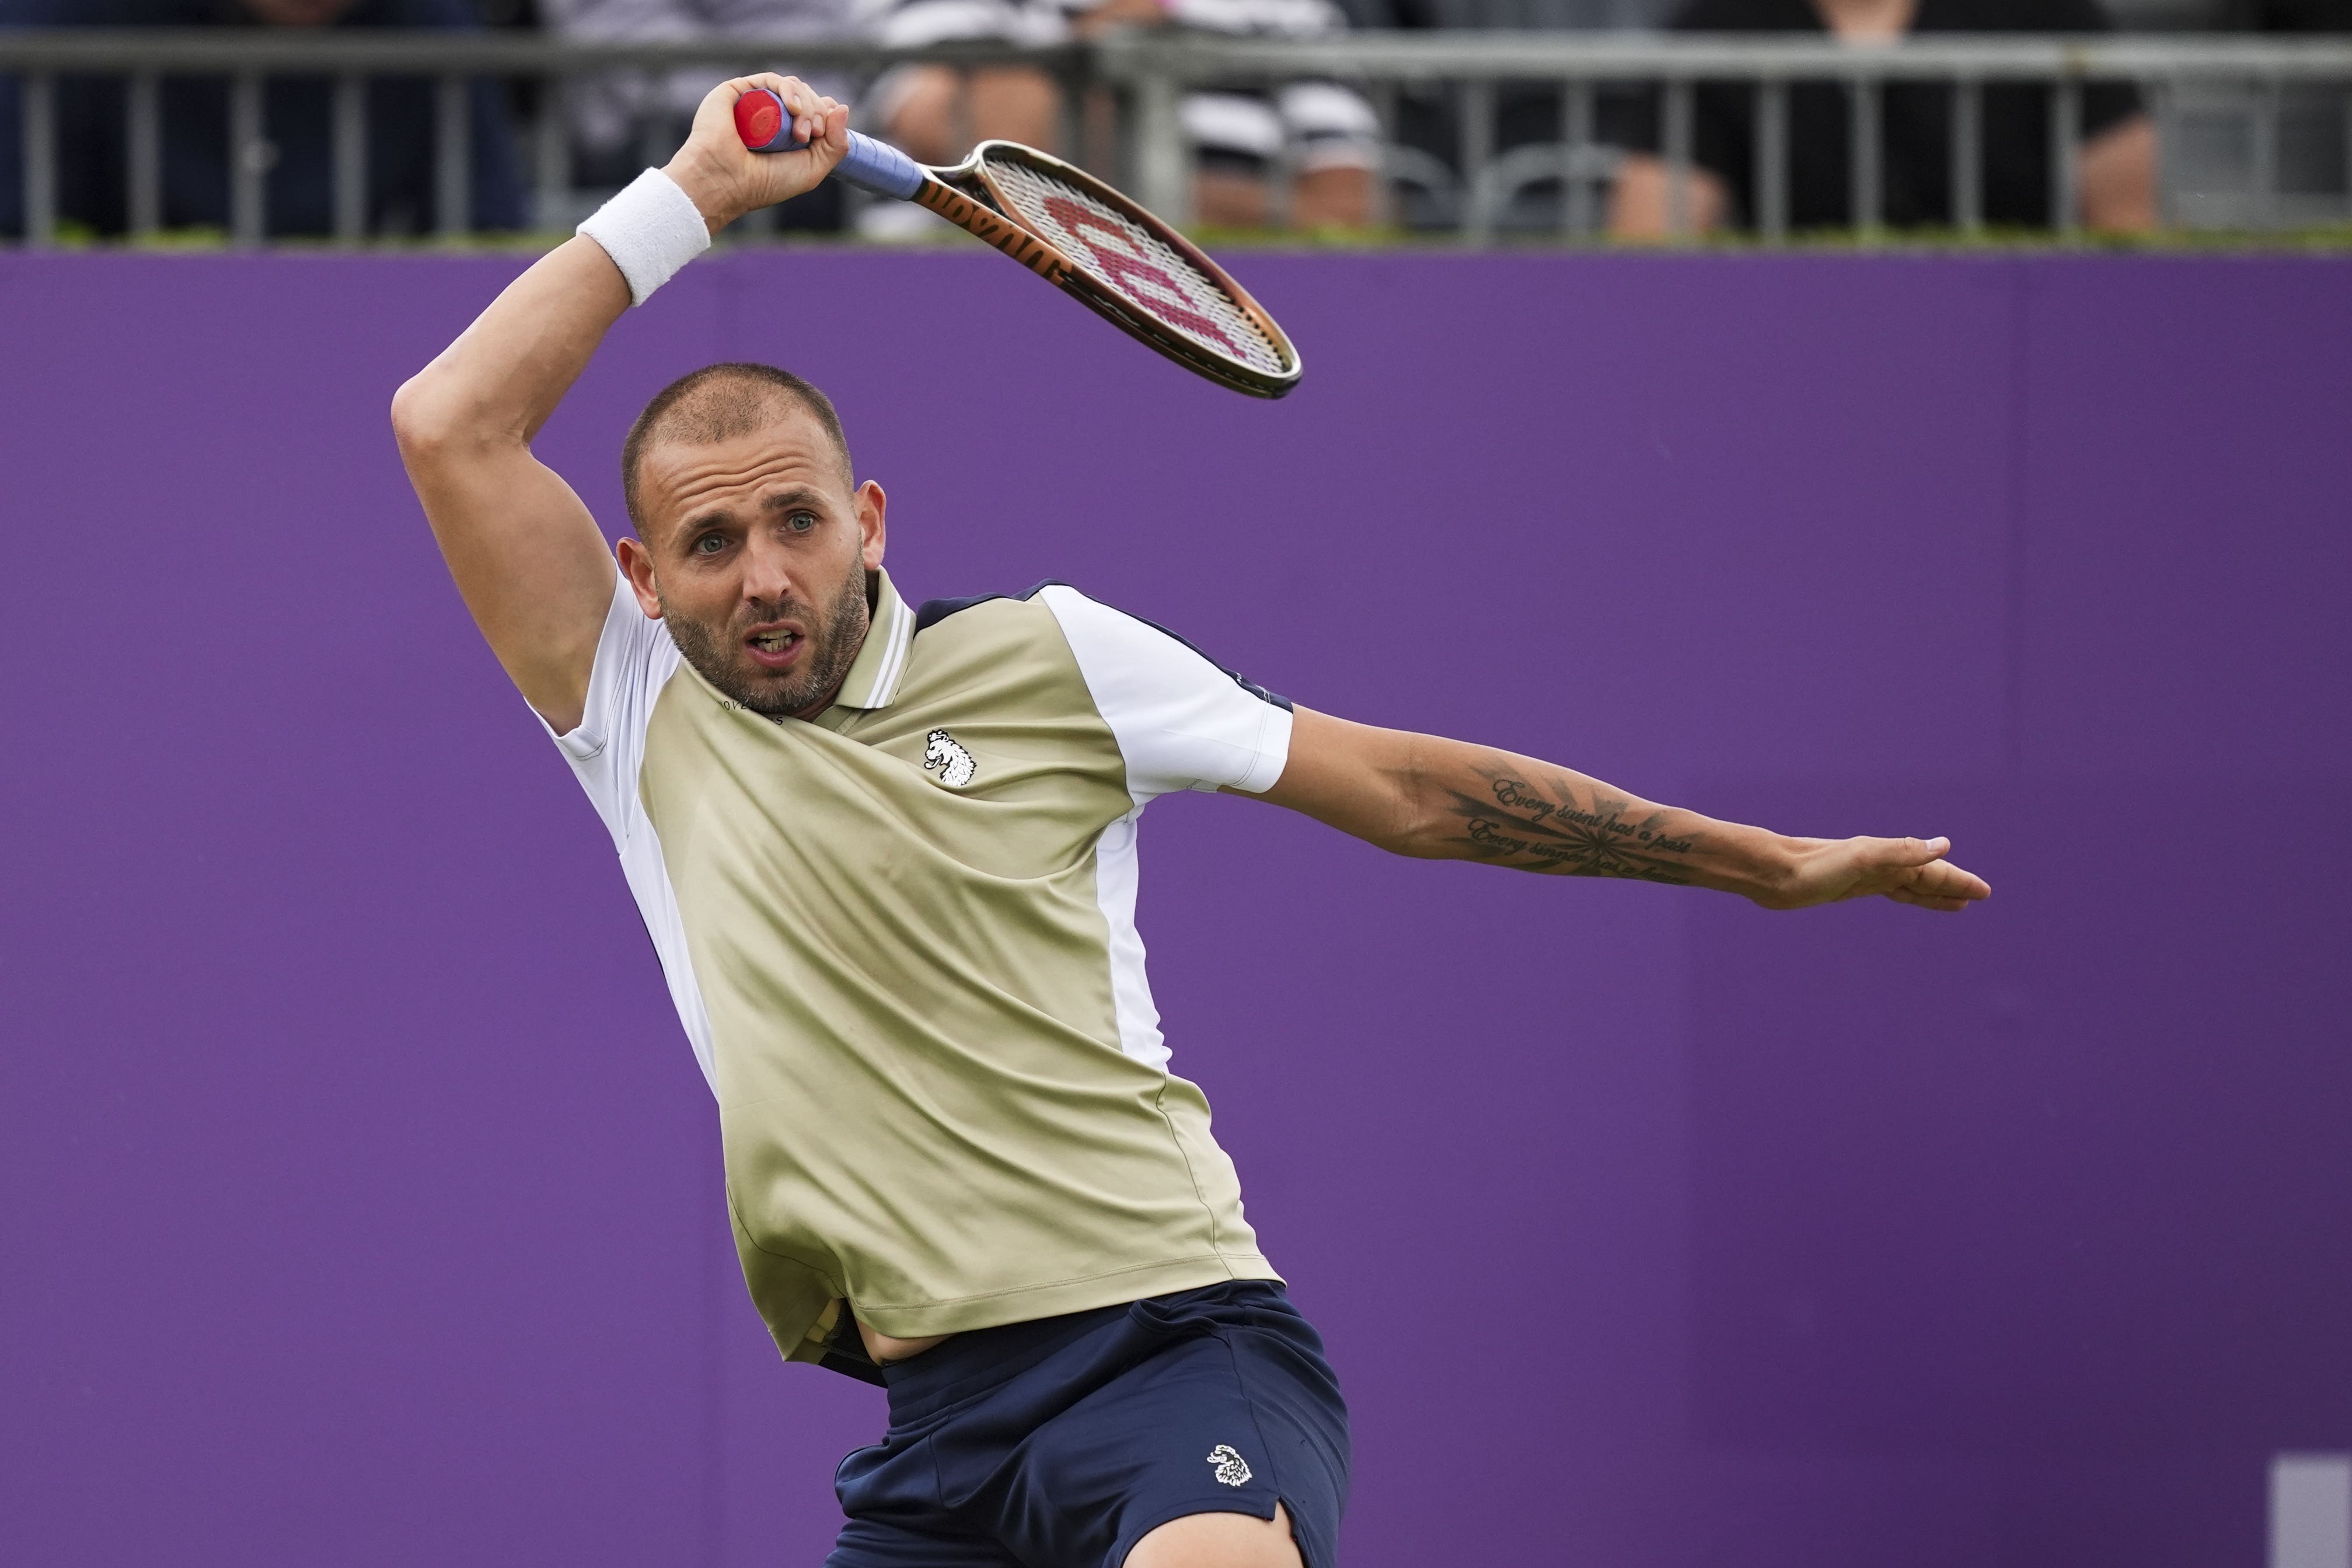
[(872, 504), (637, 566)]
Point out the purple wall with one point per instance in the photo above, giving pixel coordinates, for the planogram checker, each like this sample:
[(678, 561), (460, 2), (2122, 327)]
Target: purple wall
[(363, 1200)]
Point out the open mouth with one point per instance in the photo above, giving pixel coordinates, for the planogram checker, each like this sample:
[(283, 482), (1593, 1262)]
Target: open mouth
[(776, 649)]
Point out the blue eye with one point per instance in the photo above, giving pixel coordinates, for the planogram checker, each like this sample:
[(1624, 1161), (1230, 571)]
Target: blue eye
[(709, 543), (801, 522)]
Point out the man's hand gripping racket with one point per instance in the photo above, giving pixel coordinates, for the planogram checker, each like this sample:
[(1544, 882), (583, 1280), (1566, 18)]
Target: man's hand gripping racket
[(1061, 223)]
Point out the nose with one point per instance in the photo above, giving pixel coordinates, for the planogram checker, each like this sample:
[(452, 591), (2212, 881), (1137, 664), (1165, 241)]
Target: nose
[(767, 568)]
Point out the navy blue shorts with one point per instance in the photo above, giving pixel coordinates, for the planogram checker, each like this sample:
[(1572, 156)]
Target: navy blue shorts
[(1061, 1443)]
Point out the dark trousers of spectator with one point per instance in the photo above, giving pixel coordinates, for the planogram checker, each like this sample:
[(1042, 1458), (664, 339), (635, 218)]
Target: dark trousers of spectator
[(297, 149)]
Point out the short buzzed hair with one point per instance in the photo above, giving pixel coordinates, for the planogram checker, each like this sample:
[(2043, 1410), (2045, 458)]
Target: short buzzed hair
[(719, 402)]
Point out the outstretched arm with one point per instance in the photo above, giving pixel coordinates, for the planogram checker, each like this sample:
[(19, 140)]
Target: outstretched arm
[(525, 553), (1426, 796)]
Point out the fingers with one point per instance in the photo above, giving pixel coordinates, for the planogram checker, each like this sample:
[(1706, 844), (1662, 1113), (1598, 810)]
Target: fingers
[(725, 179), (1942, 879), (1938, 884), (1907, 852), (1917, 900), (815, 118), (1952, 881)]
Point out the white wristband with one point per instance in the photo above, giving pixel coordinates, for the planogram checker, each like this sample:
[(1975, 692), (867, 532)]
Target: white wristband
[(650, 230)]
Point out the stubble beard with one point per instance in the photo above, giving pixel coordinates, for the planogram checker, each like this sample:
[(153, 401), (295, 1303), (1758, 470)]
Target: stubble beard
[(836, 636)]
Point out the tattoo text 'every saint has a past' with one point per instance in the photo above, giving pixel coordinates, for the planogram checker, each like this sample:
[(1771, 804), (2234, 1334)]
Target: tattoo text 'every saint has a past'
[(1519, 824)]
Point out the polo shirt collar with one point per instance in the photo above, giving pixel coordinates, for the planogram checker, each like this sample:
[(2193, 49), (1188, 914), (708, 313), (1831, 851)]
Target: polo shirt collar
[(873, 679)]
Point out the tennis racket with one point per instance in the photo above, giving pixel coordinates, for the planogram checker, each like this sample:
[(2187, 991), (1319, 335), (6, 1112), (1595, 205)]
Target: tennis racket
[(1077, 233)]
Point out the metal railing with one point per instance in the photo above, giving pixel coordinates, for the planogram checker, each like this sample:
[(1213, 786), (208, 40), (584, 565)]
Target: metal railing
[(2244, 82), (248, 58), (2244, 79)]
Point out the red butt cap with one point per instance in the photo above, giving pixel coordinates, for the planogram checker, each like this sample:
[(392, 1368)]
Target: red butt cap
[(759, 116)]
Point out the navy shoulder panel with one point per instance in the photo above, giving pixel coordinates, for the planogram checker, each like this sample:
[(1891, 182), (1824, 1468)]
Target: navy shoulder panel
[(935, 610)]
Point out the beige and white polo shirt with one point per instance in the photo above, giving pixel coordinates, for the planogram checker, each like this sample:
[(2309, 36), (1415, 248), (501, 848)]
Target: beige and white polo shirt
[(901, 937)]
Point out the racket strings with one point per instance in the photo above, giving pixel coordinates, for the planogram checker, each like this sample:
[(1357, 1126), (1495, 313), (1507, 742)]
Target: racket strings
[(1137, 265)]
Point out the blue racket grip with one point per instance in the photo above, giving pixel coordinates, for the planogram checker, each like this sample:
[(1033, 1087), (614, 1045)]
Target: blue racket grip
[(869, 165)]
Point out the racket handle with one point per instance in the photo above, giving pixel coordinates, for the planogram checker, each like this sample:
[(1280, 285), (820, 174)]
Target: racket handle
[(870, 165)]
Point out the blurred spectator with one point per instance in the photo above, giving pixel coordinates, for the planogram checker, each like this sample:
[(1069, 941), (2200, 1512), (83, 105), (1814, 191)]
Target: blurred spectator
[(624, 121), (297, 121), (1428, 182), (938, 112), (1241, 135), (2118, 167), (1517, 15)]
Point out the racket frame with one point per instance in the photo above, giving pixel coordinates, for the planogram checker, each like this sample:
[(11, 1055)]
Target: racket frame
[(966, 196), (969, 197)]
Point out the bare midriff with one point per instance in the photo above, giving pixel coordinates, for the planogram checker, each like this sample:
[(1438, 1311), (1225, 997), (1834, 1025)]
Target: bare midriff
[(884, 1350)]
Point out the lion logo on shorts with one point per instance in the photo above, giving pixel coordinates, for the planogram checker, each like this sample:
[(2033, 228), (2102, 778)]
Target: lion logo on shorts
[(943, 754), (1232, 1469)]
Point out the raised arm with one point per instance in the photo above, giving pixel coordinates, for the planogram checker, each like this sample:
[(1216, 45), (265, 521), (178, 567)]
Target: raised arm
[(526, 555), (1426, 796)]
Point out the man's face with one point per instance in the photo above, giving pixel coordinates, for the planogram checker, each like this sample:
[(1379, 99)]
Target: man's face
[(755, 553)]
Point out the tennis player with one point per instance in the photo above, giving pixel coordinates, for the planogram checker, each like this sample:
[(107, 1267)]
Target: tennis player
[(887, 855)]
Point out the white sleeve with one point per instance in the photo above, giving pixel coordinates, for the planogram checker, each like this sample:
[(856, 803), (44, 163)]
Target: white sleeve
[(1182, 722), (634, 659)]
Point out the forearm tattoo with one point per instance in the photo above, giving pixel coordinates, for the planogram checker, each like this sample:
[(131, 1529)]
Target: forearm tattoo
[(1546, 828)]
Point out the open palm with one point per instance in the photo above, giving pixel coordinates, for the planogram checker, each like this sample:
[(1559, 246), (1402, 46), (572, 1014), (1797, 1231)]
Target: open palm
[(1908, 871)]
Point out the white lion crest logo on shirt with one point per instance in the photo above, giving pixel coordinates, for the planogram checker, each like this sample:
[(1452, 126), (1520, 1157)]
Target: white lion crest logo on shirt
[(1232, 1469), (943, 754)]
